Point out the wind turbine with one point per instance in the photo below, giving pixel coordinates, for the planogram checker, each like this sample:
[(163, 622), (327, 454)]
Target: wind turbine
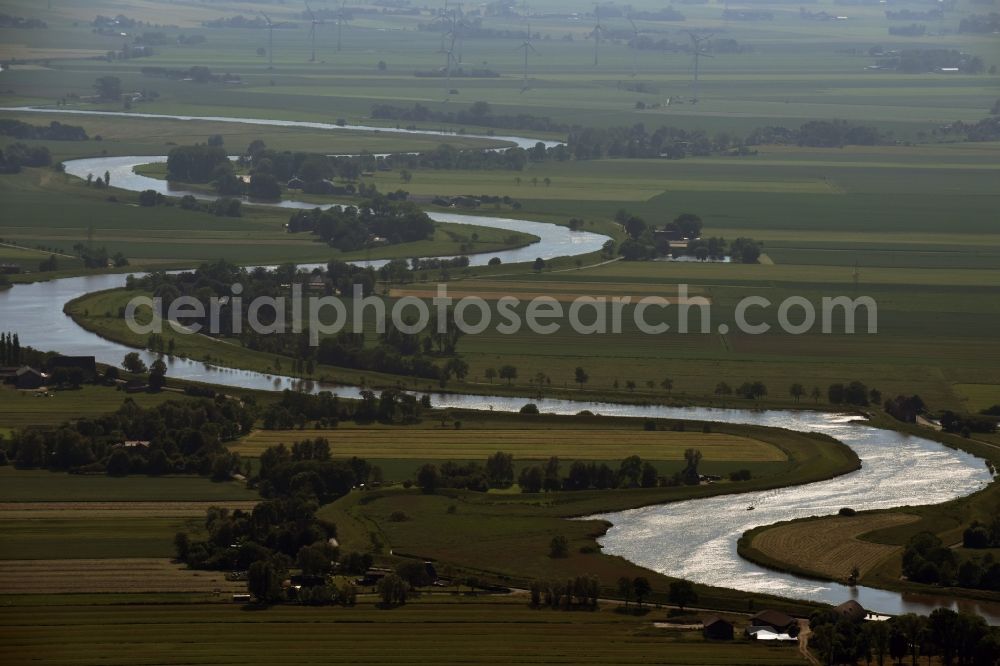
[(341, 20), (635, 47), (448, 51), (270, 39), (698, 51), (312, 30), (526, 45), (596, 32)]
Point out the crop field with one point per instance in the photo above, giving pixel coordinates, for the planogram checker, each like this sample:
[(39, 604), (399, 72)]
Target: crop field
[(444, 632), (533, 444), (829, 547), (77, 536), (109, 576)]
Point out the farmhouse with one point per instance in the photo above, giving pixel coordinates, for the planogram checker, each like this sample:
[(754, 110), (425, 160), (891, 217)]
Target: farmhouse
[(29, 378), (774, 620), (717, 629)]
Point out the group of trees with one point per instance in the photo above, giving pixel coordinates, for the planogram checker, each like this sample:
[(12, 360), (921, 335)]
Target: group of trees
[(682, 236), (982, 535), (98, 257), (581, 592), (17, 155), (499, 471), (390, 406), (178, 437), (958, 638), (918, 61), (196, 73), (927, 560), (853, 393), (283, 531), (10, 349), (54, 131), (374, 221), (200, 163)]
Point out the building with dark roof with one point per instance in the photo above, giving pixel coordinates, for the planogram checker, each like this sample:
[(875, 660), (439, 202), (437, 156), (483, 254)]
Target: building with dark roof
[(716, 629), (774, 619)]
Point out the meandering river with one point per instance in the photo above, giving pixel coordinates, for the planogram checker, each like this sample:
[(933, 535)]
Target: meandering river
[(694, 539)]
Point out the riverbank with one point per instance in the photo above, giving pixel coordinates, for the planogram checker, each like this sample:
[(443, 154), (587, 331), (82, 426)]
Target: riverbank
[(886, 543)]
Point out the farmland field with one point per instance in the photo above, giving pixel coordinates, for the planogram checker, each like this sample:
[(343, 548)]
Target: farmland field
[(108, 576), (42, 486), (531, 444), (447, 631)]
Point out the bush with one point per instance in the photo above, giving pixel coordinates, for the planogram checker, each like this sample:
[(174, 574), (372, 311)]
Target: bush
[(530, 408), (847, 511)]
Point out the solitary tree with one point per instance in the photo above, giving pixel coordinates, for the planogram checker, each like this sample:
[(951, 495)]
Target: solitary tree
[(508, 372), (815, 394), (682, 594), (581, 377), (642, 588), (428, 478), (263, 582), (559, 546), (538, 265), (491, 374), (667, 384), (796, 391), (133, 363), (625, 589)]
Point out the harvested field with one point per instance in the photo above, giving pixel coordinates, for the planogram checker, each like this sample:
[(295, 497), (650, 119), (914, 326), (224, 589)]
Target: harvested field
[(830, 546), (131, 575), (384, 443)]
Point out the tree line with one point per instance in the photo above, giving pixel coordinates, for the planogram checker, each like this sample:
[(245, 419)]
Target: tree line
[(955, 638), (54, 131), (499, 472)]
